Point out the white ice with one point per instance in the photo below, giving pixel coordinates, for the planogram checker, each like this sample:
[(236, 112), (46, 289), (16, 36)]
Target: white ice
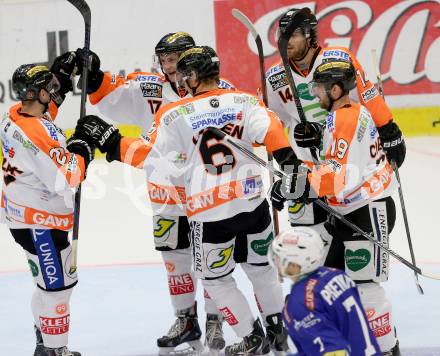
[(121, 303)]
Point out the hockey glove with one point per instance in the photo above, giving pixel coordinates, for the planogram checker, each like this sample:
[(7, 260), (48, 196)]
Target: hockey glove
[(95, 75), (285, 157), (393, 142), (308, 134), (82, 148), (96, 131), (63, 67), (275, 195)]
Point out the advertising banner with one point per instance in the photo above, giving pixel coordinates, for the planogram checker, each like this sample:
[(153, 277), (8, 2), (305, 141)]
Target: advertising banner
[(405, 35)]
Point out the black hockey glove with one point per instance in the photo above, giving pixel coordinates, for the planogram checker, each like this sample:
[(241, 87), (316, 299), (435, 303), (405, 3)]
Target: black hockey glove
[(95, 75), (63, 67), (393, 142), (82, 148), (308, 134), (275, 195), (96, 131), (285, 157)]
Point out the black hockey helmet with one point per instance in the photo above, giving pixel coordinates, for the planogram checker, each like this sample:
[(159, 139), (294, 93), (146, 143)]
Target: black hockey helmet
[(336, 71), (203, 60), (304, 19), (174, 42), (29, 79)]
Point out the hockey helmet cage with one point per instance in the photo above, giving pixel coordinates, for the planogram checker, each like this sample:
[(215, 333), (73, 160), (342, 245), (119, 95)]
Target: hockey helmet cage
[(203, 60), (29, 79), (336, 71), (174, 42), (300, 245)]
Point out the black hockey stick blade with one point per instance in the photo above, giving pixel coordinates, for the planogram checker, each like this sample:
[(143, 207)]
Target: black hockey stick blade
[(84, 9), (229, 139)]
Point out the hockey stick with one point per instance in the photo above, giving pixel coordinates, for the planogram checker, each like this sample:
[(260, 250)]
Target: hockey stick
[(246, 22), (84, 9), (222, 135), (396, 172)]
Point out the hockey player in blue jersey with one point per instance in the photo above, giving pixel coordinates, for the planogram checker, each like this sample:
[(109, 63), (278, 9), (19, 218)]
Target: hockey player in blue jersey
[(323, 312)]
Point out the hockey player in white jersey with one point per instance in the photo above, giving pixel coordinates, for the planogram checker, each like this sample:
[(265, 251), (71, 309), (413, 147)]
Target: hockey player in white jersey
[(305, 55), (357, 180), (40, 171), (135, 100), (229, 217)]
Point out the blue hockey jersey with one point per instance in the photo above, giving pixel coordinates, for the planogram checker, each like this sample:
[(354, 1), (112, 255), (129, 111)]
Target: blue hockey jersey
[(323, 314)]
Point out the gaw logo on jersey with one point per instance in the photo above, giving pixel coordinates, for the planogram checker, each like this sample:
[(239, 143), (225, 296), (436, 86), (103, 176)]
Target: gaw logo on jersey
[(358, 259), (217, 260), (303, 91), (163, 228), (260, 246)]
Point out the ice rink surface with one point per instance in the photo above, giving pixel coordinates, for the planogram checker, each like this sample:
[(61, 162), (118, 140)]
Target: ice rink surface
[(121, 303)]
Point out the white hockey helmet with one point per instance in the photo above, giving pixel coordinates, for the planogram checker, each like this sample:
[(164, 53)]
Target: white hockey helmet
[(300, 245)]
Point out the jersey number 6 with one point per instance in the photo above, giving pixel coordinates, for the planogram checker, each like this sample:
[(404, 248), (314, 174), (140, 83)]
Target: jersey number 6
[(216, 156)]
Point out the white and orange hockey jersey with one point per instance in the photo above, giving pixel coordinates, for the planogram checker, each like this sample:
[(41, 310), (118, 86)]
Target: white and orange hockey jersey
[(134, 100), (282, 102), (218, 182), (354, 170), (39, 174)]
